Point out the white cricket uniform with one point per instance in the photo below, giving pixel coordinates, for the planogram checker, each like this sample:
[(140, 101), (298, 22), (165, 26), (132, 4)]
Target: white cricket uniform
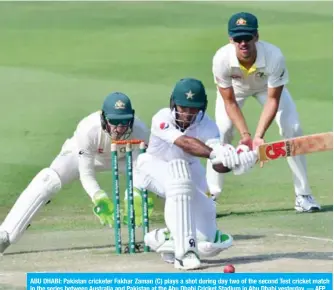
[(269, 71), (151, 171), (88, 151)]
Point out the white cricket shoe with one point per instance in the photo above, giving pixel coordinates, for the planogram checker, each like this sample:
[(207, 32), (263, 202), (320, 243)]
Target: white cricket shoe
[(190, 261), (4, 241), (306, 203), (168, 257)]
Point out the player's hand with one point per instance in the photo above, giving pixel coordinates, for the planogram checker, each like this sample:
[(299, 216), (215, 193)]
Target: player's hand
[(104, 208), (246, 139), (224, 154), (247, 159), (257, 141)]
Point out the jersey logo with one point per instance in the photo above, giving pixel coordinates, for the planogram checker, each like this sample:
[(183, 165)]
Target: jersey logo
[(260, 74), (164, 126), (100, 150)]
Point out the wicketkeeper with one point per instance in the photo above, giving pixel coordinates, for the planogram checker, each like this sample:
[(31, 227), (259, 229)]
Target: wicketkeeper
[(81, 156), (171, 168)]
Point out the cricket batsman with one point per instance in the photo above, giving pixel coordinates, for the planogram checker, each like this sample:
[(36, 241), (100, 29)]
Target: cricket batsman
[(249, 67), (171, 168), (81, 156)]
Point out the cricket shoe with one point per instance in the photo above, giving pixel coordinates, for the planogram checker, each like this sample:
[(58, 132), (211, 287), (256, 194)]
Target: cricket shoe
[(306, 203), (4, 241), (190, 261)]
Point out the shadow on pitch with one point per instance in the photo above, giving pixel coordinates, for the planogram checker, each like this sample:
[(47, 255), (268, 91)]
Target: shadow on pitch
[(247, 237), (111, 247), (324, 208), (327, 256)]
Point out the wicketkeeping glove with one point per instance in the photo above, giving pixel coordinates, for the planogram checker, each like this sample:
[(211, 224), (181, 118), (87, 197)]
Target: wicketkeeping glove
[(137, 203), (104, 208)]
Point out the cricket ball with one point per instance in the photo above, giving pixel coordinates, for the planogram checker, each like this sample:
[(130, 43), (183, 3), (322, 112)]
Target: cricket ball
[(229, 269)]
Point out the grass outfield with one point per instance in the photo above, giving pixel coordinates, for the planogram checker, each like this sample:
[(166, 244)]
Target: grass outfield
[(59, 60)]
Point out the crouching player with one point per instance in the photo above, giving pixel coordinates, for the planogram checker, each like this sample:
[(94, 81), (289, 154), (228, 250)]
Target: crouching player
[(171, 168), (87, 152)]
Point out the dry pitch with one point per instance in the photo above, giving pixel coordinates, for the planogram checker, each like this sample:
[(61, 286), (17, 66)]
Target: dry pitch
[(92, 251)]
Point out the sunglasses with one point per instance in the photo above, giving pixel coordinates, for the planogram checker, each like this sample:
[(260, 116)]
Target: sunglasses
[(245, 38), (119, 122)]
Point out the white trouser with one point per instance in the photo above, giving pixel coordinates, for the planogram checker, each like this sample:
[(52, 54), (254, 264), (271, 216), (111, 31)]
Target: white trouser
[(43, 187), (289, 126), (151, 173)]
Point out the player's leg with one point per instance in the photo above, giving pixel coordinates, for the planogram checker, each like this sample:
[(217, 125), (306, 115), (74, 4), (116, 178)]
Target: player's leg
[(226, 129), (37, 194), (289, 125), (179, 214), (210, 240)]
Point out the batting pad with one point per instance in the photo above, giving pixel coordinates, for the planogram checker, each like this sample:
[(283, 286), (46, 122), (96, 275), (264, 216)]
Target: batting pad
[(38, 193), (178, 208)]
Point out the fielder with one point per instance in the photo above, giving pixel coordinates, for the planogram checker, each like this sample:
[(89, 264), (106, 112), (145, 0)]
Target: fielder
[(249, 67), (171, 168), (87, 152)]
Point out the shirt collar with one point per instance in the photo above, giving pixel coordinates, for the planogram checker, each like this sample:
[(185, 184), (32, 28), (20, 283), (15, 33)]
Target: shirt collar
[(260, 61)]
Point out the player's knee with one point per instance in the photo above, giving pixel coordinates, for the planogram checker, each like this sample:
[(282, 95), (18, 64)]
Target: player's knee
[(291, 130), (50, 179), (157, 239), (209, 249)]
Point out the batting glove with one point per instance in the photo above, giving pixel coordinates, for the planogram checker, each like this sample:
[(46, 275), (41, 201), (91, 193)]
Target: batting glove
[(247, 159), (224, 154)]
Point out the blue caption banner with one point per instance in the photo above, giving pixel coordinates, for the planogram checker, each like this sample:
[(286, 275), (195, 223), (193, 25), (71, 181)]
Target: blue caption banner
[(179, 281)]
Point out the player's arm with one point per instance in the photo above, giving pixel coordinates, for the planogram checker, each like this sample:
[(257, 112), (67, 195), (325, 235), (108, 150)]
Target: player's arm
[(276, 81), (86, 159), (168, 133), (87, 148), (193, 146), (233, 110), (223, 81), (197, 148)]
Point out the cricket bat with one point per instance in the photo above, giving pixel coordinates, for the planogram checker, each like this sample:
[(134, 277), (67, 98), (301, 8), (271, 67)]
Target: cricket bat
[(296, 146)]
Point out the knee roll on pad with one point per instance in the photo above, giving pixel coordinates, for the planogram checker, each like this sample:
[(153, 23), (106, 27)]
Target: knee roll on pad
[(38, 193), (159, 241), (209, 249)]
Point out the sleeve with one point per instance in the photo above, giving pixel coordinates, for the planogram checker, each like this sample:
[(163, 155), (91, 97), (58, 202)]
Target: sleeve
[(211, 133), (279, 73), (164, 130), (221, 72), (140, 131), (86, 160)]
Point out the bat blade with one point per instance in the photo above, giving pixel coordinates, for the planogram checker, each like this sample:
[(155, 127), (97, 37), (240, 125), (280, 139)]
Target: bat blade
[(296, 146)]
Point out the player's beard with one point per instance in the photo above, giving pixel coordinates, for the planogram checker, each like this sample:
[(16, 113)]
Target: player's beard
[(184, 120), (119, 132)]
